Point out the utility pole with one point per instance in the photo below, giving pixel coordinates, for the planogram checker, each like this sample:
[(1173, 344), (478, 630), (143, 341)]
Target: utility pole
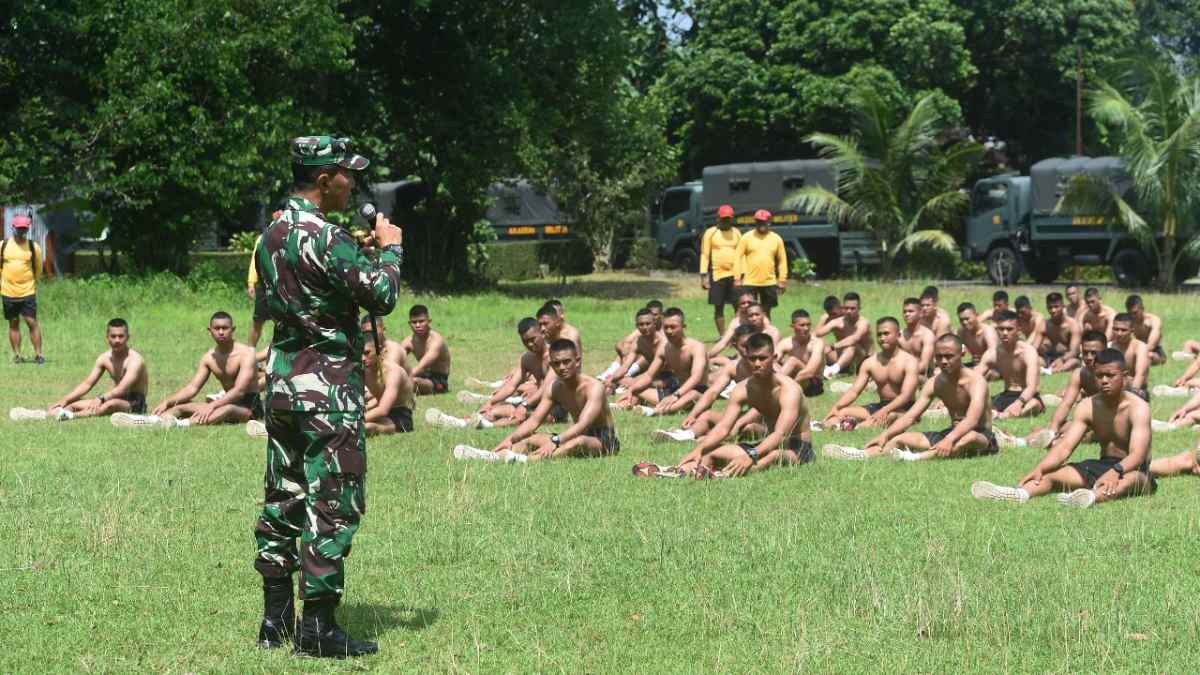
[(1078, 100)]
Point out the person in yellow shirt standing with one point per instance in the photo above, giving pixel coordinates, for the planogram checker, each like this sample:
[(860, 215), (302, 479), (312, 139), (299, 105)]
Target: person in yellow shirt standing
[(761, 262), (718, 249), (255, 291), (21, 260)]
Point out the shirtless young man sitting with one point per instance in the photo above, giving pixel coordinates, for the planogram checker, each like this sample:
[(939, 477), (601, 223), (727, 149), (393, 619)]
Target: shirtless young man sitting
[(1119, 422), (999, 304), (1060, 342), (1017, 363), (895, 374), (964, 393), (1030, 324), (393, 352), (702, 416), (431, 375), (933, 317), (1146, 327), (916, 338), (1074, 306), (1081, 384), (852, 333), (756, 316), (645, 346), (128, 372), (1137, 356), (593, 434), (1095, 315), (786, 439), (625, 364), (555, 327), (978, 338), (802, 356), (679, 357), (232, 364), (391, 396)]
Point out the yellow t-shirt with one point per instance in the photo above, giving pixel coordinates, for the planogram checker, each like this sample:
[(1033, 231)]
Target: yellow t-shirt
[(19, 279), (761, 258), (252, 275), (720, 248)]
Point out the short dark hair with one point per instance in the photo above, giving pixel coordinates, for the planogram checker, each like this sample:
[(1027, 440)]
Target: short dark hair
[(758, 341), (418, 310), (673, 311), (746, 291), (800, 314), (851, 296), (1004, 315), (1070, 286), (220, 315), (755, 304), (1110, 355), (1054, 298), (547, 310), (655, 304), (527, 324), (563, 345), (304, 177), (1023, 302), (911, 301), (1133, 301), (951, 337), (1123, 317), (555, 303), (1093, 336), (962, 307), (930, 292), (830, 302), (999, 296), (117, 323), (887, 319), (1091, 291), (744, 329), (645, 311)]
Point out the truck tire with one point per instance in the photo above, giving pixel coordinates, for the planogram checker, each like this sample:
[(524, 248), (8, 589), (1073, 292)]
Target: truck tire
[(1045, 271), (1003, 265), (686, 260), (1130, 268)]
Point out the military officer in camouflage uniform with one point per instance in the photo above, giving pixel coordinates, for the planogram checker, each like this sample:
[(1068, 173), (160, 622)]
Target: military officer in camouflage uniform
[(316, 280)]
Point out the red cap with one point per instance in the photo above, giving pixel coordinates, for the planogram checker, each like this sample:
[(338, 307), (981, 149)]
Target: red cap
[(763, 215), (20, 221), (726, 211)]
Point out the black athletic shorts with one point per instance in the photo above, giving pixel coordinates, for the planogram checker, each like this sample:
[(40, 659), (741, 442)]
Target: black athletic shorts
[(558, 414), (441, 381), (1052, 355), (1143, 394), (261, 313), (137, 403), (720, 292), (1004, 399), (1090, 470), (876, 407), (1162, 353), (669, 384), (15, 307), (814, 386), (253, 402), (802, 448), (768, 296), (402, 418), (935, 437), (609, 443)]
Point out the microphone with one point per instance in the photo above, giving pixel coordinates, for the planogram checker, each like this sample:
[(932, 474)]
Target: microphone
[(369, 213)]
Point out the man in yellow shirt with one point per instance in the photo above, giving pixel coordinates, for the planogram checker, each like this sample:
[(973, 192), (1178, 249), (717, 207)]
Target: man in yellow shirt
[(21, 261), (718, 250), (254, 290), (760, 262)]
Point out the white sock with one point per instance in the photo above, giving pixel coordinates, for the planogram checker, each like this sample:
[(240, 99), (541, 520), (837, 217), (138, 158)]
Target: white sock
[(64, 414), (634, 370), (183, 423), (612, 368), (1023, 494)]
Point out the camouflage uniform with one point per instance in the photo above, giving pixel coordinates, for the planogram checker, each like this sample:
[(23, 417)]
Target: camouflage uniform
[(316, 279)]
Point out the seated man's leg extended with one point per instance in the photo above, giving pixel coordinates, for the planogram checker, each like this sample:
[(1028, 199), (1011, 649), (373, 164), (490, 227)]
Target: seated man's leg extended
[(1184, 463), (705, 422), (1084, 475)]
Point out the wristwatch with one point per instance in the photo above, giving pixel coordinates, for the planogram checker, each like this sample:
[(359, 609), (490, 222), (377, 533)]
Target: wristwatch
[(555, 440), (103, 398), (395, 248), (1119, 469)]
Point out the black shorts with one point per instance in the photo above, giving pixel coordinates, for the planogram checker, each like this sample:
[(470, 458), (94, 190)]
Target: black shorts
[(669, 384), (720, 292), (402, 418), (252, 402), (802, 448), (1004, 399), (814, 386), (558, 414), (876, 407), (261, 313), (1090, 470), (15, 307), (768, 296), (1143, 394), (441, 381), (1162, 353), (609, 443), (935, 437), (137, 403), (1052, 355)]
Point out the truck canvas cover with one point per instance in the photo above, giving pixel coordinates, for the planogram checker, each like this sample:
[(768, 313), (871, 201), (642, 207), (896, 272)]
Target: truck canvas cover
[(764, 185), (1049, 178), (519, 203)]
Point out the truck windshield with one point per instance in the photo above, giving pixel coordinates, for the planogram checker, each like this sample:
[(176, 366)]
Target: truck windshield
[(674, 203), (989, 197)]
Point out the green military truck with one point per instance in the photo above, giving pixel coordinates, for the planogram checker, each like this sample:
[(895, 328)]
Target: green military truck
[(1013, 227), (683, 212)]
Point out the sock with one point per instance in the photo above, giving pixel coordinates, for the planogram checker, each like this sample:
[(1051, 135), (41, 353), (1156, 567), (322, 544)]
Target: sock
[(1023, 494), (64, 414), (612, 368), (634, 370), (182, 423)]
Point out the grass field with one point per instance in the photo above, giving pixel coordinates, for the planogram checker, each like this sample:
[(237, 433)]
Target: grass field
[(130, 550)]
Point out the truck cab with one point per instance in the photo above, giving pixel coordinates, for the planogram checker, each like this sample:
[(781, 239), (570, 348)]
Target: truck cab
[(678, 225), (999, 214)]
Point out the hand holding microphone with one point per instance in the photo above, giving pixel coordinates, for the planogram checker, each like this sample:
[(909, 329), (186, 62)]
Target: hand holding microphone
[(384, 232)]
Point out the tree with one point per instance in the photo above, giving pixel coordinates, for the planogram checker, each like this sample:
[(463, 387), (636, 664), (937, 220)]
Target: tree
[(899, 177), (1153, 117)]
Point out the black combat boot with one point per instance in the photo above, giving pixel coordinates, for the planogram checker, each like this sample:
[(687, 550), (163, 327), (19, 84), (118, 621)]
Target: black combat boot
[(319, 634), (279, 613)]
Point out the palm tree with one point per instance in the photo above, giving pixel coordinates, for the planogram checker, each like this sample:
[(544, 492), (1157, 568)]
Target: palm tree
[(1153, 117), (898, 178)]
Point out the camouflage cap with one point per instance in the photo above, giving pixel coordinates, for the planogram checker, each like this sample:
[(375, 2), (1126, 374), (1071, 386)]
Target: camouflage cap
[(326, 150)]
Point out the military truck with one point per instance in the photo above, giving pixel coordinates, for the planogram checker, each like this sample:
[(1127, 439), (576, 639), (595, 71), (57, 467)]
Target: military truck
[(1013, 227), (518, 211), (683, 212)]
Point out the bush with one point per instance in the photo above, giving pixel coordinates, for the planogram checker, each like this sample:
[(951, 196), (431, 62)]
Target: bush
[(521, 260), (636, 254), (243, 241)]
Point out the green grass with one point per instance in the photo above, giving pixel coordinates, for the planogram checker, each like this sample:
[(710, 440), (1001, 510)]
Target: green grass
[(129, 550)]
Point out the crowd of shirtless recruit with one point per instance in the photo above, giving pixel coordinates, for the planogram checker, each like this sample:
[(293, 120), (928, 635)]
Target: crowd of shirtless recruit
[(742, 403)]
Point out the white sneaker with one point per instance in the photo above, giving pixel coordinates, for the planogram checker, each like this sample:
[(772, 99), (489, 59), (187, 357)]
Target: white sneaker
[(1046, 371), (1007, 440), (679, 435), (1081, 498), (1159, 425), (903, 455), (1051, 399), (212, 397), (437, 418), (1183, 356), (936, 413), (256, 429), (62, 414), (476, 382), (643, 410), (981, 489), (1170, 392), (23, 414), (834, 451), (480, 422), (619, 391), (508, 456), (467, 452), (1040, 439), (470, 397), (831, 371), (129, 421)]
